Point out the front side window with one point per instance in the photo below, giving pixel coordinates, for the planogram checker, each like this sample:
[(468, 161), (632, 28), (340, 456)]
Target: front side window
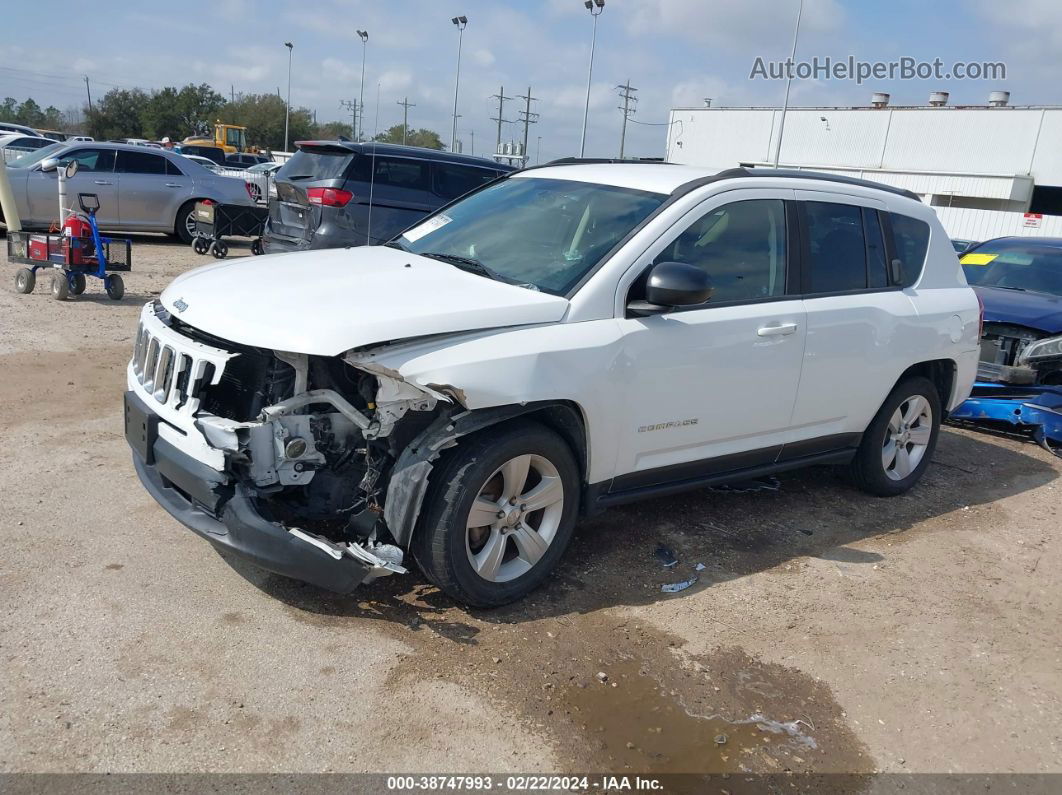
[(741, 246), (100, 160), (544, 233), (32, 158)]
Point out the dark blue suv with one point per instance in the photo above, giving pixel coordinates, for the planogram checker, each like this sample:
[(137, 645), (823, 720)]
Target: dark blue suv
[(332, 194)]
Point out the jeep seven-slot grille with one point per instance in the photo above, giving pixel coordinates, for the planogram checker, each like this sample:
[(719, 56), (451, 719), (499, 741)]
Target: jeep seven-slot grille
[(170, 374)]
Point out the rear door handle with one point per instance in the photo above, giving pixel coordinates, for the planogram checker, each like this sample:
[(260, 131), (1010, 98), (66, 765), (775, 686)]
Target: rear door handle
[(779, 330), (173, 185), (102, 182)]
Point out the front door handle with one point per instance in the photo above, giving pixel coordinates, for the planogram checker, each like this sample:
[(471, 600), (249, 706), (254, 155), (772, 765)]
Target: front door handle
[(102, 182), (778, 330), (173, 185)]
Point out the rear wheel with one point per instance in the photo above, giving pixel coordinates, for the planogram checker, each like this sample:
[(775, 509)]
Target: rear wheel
[(899, 443), (115, 287), (184, 225), (25, 279), (77, 283), (499, 515)]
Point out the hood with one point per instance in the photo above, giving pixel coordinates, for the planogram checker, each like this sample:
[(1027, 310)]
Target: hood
[(1034, 310), (327, 302)]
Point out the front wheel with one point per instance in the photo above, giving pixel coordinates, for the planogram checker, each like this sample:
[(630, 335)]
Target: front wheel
[(60, 286), (25, 279), (899, 442), (77, 283), (499, 514), (115, 287)]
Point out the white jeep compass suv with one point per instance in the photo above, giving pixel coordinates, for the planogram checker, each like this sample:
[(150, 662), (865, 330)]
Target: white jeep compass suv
[(563, 339)]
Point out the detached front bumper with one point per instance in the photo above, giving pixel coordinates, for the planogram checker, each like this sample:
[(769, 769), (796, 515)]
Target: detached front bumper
[(1036, 410), (206, 502)]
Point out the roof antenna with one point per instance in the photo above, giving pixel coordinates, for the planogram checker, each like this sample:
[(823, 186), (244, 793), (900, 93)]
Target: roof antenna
[(372, 174)]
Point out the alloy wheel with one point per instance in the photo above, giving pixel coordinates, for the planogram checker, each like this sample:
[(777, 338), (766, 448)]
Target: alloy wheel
[(514, 518), (907, 437)]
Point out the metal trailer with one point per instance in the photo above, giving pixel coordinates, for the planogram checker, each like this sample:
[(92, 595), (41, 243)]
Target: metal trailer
[(72, 259), (1033, 410), (214, 222)]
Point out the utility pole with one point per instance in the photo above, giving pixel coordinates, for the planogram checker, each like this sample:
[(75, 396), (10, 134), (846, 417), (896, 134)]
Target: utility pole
[(406, 105), (88, 91), (627, 93), (472, 138), (527, 117), (352, 106), (500, 118), (460, 23), (232, 92)]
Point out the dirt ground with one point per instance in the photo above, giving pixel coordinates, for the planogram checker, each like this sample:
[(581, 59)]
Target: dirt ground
[(828, 631)]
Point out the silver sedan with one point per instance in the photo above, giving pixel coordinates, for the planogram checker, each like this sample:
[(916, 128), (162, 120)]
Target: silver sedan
[(139, 189)]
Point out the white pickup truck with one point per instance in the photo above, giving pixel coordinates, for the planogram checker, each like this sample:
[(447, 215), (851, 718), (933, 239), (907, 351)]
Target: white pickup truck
[(563, 339)]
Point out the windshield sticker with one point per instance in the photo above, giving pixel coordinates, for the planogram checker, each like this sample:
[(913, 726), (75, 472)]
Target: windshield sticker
[(417, 232), (977, 259)]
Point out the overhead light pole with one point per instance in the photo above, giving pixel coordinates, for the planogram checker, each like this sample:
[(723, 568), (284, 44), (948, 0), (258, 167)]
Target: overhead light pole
[(364, 36), (595, 7), (788, 83), (460, 22), (287, 108)]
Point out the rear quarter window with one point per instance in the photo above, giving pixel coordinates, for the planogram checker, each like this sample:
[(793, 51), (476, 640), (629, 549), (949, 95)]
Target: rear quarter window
[(910, 241)]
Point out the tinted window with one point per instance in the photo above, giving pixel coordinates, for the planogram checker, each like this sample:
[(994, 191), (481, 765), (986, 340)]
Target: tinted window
[(877, 272), (140, 163), (400, 173), (837, 257), (451, 181), (31, 143), (316, 164), (548, 233), (1015, 265), (90, 159), (172, 169), (741, 246), (910, 239)]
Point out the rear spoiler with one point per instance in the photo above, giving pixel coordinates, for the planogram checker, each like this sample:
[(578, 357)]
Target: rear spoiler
[(335, 146)]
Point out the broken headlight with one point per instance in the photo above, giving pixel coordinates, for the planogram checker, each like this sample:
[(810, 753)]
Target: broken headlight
[(1049, 348)]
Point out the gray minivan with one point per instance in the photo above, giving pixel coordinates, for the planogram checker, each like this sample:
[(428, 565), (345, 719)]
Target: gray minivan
[(324, 192)]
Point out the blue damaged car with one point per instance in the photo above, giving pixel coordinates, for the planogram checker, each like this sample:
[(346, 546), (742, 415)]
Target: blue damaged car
[(1019, 376)]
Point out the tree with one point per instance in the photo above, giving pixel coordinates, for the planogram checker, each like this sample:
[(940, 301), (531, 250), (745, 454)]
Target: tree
[(331, 130), (263, 116), (117, 115), (429, 139)]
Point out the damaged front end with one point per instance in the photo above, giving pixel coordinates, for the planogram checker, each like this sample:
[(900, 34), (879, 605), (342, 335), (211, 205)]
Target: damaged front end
[(314, 467), (1019, 355)]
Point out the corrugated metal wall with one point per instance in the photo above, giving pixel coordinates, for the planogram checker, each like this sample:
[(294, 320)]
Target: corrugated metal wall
[(967, 224)]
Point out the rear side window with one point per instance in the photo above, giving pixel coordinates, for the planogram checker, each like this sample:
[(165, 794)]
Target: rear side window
[(877, 272), (837, 256), (451, 181), (140, 163), (313, 164), (910, 240), (172, 170)]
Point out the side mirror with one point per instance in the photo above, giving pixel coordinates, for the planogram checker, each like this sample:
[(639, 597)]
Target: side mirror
[(50, 164), (672, 284), (71, 169)]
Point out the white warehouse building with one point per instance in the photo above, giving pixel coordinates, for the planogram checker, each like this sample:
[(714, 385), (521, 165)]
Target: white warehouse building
[(963, 160)]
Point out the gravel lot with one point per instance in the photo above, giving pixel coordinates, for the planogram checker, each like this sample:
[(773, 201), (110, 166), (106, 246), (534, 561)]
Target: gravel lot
[(914, 634)]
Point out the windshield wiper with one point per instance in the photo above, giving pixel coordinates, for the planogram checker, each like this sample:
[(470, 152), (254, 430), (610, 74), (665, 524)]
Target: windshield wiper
[(466, 264)]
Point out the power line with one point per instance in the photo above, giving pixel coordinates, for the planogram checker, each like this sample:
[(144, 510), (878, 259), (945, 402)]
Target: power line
[(527, 117), (352, 106), (629, 101), (500, 96), (406, 105)]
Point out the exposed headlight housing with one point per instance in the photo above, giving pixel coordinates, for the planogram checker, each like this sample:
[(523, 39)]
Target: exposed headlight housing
[(1047, 348)]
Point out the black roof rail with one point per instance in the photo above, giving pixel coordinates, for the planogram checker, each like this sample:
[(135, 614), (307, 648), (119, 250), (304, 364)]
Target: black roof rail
[(592, 161), (794, 173)]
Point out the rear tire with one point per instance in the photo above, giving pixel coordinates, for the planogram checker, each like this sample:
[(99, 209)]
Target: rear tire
[(899, 442), (498, 476), (115, 287), (25, 280), (184, 223), (77, 286)]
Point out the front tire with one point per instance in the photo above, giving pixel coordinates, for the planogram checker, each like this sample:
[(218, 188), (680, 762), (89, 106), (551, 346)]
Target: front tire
[(60, 286), (899, 442), (499, 514), (25, 280)]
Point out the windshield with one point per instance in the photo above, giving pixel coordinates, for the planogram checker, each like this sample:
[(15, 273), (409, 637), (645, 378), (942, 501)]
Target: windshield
[(1015, 265), (31, 158), (547, 233)]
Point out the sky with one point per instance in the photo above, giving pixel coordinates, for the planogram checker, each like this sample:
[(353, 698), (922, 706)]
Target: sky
[(675, 52)]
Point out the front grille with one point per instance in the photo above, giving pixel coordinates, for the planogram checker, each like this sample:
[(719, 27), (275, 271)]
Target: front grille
[(171, 368)]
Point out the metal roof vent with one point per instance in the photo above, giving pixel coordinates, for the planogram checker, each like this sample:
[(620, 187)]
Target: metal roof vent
[(879, 100), (999, 99), (938, 99)]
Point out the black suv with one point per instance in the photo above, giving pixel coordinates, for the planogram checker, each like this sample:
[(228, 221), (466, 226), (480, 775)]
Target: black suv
[(245, 160), (339, 193)]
